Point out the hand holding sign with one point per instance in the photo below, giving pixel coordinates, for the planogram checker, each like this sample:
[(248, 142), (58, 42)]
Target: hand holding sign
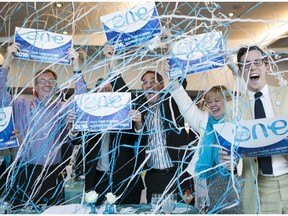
[(11, 51), (136, 117)]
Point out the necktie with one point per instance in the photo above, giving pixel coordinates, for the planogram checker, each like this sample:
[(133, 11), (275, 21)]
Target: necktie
[(265, 163)]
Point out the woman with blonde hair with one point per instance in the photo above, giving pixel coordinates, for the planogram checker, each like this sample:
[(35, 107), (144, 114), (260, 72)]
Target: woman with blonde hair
[(214, 185)]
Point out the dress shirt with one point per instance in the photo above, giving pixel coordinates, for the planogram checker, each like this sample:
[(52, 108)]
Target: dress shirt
[(279, 163), (160, 158), (42, 126), (103, 162)]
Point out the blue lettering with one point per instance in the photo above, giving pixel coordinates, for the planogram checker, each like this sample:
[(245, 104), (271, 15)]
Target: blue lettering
[(102, 102), (242, 134), (276, 127), (264, 130), (130, 17), (115, 101), (44, 37), (118, 21), (142, 12)]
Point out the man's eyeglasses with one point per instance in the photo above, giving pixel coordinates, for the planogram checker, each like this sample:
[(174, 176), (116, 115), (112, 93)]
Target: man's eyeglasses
[(256, 62), (44, 81)]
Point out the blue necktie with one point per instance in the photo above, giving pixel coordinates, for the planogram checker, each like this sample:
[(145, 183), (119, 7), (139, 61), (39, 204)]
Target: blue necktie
[(265, 163)]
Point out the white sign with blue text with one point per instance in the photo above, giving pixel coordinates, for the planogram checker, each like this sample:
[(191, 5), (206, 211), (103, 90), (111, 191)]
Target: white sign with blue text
[(102, 111), (131, 27), (194, 54), (42, 46), (261, 137), (6, 128)]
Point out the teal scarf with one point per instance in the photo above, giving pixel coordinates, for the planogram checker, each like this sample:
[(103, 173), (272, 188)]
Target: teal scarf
[(208, 155)]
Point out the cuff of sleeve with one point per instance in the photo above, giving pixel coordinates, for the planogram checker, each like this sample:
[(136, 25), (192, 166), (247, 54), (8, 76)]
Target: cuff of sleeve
[(138, 131), (72, 135)]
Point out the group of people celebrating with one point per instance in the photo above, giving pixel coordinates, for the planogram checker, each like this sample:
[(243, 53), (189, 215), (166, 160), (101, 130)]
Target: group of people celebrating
[(158, 143)]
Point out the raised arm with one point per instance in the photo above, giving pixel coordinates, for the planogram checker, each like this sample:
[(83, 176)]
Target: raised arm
[(188, 109), (77, 63), (117, 81), (5, 96)]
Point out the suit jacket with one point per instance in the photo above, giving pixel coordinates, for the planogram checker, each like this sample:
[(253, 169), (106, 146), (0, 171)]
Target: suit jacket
[(176, 135), (121, 153), (250, 193)]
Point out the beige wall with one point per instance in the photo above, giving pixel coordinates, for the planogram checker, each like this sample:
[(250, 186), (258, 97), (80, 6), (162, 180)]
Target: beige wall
[(21, 74)]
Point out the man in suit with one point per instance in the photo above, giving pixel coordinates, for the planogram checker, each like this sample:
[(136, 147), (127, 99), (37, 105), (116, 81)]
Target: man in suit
[(163, 134), (110, 161), (265, 188)]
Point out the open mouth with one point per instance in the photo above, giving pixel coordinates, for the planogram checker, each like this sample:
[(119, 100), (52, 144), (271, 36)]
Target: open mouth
[(215, 110), (254, 77)]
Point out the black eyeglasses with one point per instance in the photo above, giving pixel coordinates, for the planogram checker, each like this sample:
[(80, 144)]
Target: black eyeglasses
[(44, 81), (256, 62)]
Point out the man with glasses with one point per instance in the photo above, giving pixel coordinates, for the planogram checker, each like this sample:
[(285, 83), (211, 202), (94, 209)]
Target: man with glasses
[(35, 173), (265, 188), (161, 129)]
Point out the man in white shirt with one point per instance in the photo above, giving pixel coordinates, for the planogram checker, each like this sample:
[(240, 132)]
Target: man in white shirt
[(265, 188)]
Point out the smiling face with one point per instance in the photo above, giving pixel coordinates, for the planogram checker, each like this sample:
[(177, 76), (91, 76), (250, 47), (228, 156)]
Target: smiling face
[(45, 85), (215, 99), (254, 70), (152, 86), (216, 106)]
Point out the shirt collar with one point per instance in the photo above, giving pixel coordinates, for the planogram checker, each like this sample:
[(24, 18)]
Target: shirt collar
[(265, 91)]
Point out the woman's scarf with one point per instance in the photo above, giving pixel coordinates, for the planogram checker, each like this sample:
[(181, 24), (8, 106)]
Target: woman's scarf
[(208, 155)]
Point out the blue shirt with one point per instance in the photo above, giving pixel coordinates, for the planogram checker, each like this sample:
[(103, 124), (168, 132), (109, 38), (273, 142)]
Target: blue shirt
[(42, 126)]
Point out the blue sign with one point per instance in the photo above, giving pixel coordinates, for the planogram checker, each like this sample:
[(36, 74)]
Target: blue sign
[(42, 46), (253, 138), (131, 27), (102, 111), (196, 54), (6, 128)]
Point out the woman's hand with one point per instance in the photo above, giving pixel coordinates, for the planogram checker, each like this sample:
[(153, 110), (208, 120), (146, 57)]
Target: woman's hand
[(225, 159)]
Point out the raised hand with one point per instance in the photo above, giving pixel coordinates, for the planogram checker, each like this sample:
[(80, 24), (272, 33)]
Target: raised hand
[(73, 56), (11, 51), (108, 51)]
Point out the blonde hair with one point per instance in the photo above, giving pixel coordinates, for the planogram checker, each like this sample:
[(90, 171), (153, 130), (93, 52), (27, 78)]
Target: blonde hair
[(220, 91)]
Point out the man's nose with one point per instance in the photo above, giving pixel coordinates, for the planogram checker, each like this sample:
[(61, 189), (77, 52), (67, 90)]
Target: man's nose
[(253, 66)]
